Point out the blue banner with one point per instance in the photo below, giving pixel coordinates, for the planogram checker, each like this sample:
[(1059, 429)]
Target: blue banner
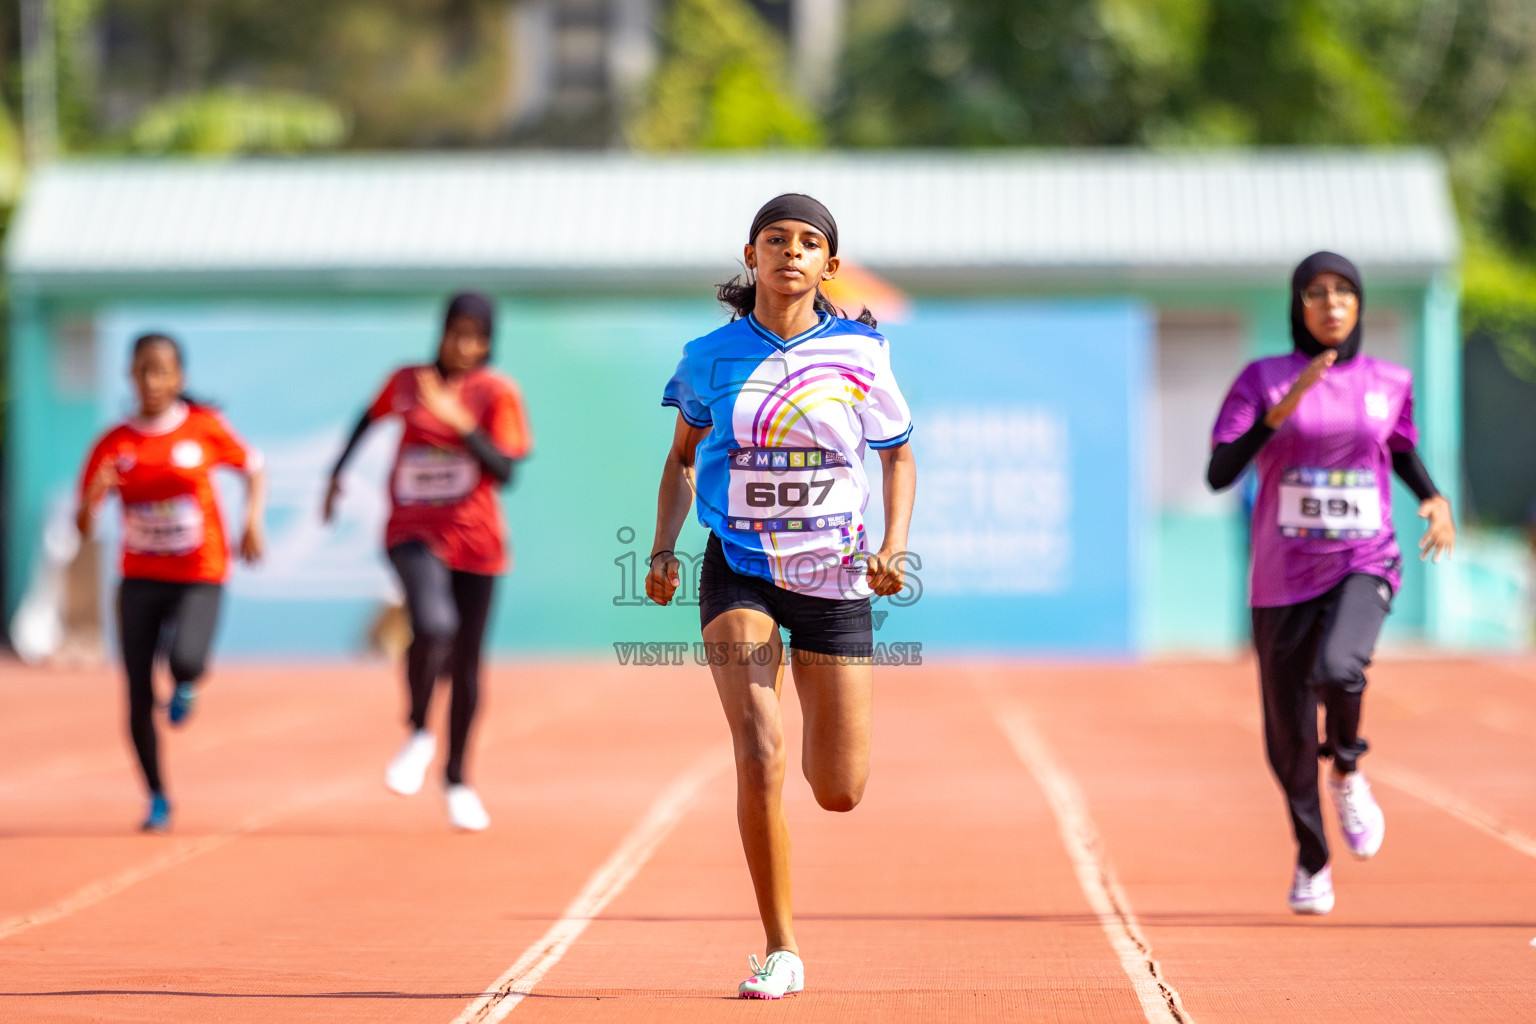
[(1027, 425)]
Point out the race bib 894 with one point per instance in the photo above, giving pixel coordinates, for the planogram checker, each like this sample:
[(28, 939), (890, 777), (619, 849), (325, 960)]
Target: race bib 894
[(789, 490), (1331, 503)]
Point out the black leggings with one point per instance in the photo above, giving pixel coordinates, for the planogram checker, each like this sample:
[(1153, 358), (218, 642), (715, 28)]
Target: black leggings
[(1316, 653), (153, 617), (449, 610)]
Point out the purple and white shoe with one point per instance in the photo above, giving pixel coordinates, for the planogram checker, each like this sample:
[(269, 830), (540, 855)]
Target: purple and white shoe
[(1312, 894), (1360, 816)]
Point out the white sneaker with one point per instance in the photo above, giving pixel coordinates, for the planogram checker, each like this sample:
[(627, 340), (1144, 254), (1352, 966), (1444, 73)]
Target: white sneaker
[(408, 770), (465, 809), (782, 974), (1360, 816), (1312, 894)]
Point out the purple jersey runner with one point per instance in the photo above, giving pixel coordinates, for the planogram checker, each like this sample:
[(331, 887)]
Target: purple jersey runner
[(1324, 507)]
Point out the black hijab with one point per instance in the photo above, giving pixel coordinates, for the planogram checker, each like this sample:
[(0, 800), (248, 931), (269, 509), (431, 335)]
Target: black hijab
[(477, 308), (1306, 270)]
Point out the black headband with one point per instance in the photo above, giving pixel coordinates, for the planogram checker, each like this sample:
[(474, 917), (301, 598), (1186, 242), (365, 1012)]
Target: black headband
[(1306, 271), (794, 206)]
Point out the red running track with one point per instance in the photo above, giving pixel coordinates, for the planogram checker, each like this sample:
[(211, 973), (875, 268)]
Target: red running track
[(294, 887)]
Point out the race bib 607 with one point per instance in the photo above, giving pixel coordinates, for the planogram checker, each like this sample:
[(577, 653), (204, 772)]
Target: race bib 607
[(789, 490)]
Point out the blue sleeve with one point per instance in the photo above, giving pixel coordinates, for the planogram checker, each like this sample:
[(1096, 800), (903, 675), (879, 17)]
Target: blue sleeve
[(680, 395)]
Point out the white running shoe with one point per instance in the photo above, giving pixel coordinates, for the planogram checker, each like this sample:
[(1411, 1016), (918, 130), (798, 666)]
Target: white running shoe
[(1312, 894), (408, 770), (465, 809), (782, 974), (1360, 816)]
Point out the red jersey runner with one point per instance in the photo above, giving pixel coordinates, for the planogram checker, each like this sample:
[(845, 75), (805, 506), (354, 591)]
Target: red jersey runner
[(438, 494), (172, 528)]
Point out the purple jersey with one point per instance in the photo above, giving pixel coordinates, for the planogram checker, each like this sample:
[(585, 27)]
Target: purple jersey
[(1324, 507)]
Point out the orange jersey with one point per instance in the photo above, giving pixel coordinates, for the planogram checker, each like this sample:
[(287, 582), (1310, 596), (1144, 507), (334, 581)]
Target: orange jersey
[(438, 493), (172, 529)]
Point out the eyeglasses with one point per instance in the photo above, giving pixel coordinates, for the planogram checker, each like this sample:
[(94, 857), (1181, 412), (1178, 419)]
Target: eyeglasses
[(1318, 295)]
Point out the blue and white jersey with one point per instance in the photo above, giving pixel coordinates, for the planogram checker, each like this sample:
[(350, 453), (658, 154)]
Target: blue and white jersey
[(780, 477)]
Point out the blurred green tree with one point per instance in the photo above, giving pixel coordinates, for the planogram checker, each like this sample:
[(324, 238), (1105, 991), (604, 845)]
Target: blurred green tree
[(996, 72), (720, 85), (399, 73), (232, 76), (222, 122), (1456, 75)]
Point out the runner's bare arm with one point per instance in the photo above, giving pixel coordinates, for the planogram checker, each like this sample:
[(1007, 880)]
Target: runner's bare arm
[(253, 541), (103, 480), (1439, 538), (674, 499), (1230, 458), (442, 400), (1311, 374), (898, 485)]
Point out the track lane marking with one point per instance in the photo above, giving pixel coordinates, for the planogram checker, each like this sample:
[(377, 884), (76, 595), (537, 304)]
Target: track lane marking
[(1159, 1000), (103, 889), (1437, 796), (607, 882), (67, 766), (1440, 798)]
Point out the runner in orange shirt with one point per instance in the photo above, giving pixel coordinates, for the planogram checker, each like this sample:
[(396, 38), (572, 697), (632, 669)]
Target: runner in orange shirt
[(464, 431), (175, 557)]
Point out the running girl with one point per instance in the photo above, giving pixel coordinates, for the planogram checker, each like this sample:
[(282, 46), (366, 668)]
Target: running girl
[(775, 411), (174, 554), (464, 430), (1327, 427)]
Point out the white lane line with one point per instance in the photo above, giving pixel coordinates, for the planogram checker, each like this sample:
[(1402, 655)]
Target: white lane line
[(104, 889), (70, 766), (1095, 874), (606, 882), (1437, 796)]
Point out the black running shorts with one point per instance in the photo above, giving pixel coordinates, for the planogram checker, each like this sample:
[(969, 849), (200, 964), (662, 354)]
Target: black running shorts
[(817, 625)]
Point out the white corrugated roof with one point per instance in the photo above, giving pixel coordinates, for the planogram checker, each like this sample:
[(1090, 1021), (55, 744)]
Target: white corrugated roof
[(545, 215)]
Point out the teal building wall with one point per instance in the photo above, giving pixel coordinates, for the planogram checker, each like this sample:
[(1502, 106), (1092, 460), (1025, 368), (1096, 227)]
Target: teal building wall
[(591, 366)]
